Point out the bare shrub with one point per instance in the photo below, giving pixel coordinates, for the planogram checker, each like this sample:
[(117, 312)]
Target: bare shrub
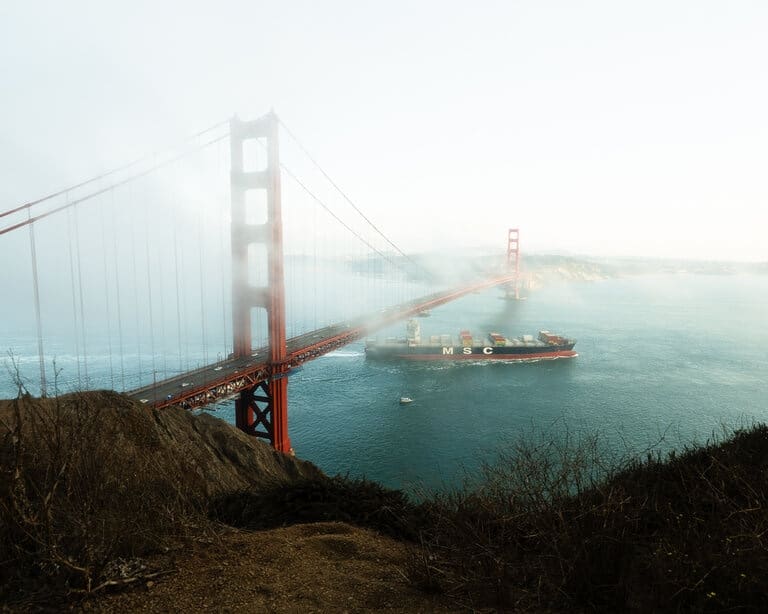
[(554, 525), (81, 494)]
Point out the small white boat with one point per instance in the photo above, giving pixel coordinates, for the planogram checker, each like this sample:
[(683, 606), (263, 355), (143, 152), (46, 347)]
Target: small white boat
[(405, 400)]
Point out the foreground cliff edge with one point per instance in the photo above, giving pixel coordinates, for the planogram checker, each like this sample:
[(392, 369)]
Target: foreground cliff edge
[(108, 503), (111, 505)]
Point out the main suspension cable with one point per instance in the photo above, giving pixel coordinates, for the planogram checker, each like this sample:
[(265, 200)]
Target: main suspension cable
[(143, 173), (336, 217), (108, 173), (344, 195)]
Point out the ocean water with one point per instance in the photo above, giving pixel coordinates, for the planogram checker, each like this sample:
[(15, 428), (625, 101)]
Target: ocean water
[(663, 361)]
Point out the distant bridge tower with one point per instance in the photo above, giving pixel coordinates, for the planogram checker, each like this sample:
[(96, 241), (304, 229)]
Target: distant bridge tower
[(263, 409), (513, 262)]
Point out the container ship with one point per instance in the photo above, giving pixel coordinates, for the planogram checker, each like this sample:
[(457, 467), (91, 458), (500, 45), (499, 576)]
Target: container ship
[(494, 346)]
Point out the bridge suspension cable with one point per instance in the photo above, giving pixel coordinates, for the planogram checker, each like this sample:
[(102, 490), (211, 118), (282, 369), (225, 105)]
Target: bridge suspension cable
[(106, 174), (344, 195), (80, 292), (117, 301), (336, 217), (106, 296), (72, 287), (38, 319), (125, 249), (112, 186)]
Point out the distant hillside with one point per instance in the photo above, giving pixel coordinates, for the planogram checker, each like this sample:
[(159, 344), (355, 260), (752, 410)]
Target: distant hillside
[(448, 266), (545, 269), (634, 266)]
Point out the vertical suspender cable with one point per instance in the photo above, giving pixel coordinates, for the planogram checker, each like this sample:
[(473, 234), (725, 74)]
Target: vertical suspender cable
[(202, 292), (162, 304), (315, 263), (223, 217), (289, 277), (149, 296), (178, 302), (80, 292), (135, 289), (74, 300), (117, 296), (183, 270), (202, 302), (162, 316), (106, 296), (38, 319)]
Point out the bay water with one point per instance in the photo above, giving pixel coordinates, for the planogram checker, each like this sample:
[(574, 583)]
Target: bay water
[(663, 360)]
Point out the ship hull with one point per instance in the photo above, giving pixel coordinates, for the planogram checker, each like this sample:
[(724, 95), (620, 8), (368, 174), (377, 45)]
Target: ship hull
[(507, 353)]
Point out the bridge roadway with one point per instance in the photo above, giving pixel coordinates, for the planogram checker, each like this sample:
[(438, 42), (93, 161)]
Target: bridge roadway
[(226, 378)]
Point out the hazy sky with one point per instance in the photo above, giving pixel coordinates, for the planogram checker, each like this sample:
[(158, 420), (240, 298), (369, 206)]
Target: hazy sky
[(598, 127)]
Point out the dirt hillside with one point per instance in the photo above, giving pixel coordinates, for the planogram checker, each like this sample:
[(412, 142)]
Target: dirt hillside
[(203, 454), (322, 567), (128, 493)]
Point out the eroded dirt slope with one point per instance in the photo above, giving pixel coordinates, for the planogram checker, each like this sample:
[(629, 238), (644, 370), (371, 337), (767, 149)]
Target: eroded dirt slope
[(323, 567)]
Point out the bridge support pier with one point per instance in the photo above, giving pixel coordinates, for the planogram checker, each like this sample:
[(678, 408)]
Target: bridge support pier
[(262, 411)]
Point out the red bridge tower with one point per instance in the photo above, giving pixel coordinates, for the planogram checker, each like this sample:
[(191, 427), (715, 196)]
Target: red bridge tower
[(262, 410), (513, 261)]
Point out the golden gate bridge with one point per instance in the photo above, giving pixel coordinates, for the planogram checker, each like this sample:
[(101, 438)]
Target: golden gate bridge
[(109, 254)]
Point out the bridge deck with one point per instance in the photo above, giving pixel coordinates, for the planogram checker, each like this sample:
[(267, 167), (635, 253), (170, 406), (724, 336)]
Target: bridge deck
[(226, 378)]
